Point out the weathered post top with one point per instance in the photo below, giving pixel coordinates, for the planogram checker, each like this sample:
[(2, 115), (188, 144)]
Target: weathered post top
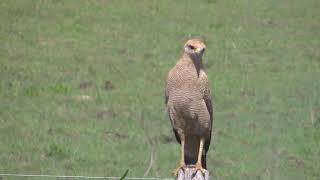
[(188, 173)]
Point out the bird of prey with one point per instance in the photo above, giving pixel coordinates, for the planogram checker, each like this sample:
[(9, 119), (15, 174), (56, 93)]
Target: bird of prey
[(189, 106)]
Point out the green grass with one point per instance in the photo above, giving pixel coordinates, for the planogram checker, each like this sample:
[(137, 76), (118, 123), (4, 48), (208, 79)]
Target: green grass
[(262, 58)]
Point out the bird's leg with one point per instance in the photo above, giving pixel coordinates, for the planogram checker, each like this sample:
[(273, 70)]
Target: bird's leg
[(198, 165), (182, 162)]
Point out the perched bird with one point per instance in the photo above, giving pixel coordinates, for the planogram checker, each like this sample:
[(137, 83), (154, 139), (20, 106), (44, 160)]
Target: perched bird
[(189, 106)]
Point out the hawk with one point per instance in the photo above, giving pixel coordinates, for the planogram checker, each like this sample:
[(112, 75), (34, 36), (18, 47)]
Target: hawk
[(189, 106)]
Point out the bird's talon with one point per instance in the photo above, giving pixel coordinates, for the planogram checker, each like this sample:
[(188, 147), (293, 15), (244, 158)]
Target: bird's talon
[(198, 167), (175, 172)]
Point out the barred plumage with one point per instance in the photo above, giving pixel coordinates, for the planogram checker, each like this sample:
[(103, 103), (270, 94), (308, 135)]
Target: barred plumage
[(189, 105)]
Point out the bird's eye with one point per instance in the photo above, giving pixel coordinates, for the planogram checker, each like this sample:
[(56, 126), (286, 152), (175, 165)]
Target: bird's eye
[(191, 47)]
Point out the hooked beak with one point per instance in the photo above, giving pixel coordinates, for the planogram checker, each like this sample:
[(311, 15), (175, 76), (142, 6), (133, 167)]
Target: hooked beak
[(201, 50)]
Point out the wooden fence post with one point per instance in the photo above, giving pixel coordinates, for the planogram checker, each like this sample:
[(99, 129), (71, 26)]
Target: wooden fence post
[(187, 173)]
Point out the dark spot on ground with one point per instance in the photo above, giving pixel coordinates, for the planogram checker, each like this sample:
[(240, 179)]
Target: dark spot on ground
[(114, 135), (123, 51), (168, 139), (50, 131), (231, 114), (268, 22), (106, 114), (296, 161), (252, 125), (164, 139), (56, 150), (248, 93), (85, 85), (108, 85)]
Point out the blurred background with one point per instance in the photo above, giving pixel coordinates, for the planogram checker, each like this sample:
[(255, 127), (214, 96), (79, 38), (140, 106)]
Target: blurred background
[(82, 86)]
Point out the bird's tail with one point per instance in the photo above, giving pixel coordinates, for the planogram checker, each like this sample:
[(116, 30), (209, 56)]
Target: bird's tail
[(191, 151), (191, 160)]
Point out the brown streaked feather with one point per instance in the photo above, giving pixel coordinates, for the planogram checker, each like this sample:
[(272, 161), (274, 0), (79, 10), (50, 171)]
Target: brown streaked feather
[(208, 102), (188, 101)]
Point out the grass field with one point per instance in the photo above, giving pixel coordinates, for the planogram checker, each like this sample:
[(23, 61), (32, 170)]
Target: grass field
[(262, 59)]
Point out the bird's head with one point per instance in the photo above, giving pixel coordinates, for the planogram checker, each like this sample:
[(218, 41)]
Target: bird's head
[(194, 48)]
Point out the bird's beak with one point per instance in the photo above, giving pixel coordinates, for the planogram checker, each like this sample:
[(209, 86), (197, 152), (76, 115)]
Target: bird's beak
[(201, 50)]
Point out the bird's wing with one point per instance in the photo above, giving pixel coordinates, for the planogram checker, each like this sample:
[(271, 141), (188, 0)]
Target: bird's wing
[(168, 84), (209, 105), (207, 100), (166, 97), (206, 94), (167, 92)]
